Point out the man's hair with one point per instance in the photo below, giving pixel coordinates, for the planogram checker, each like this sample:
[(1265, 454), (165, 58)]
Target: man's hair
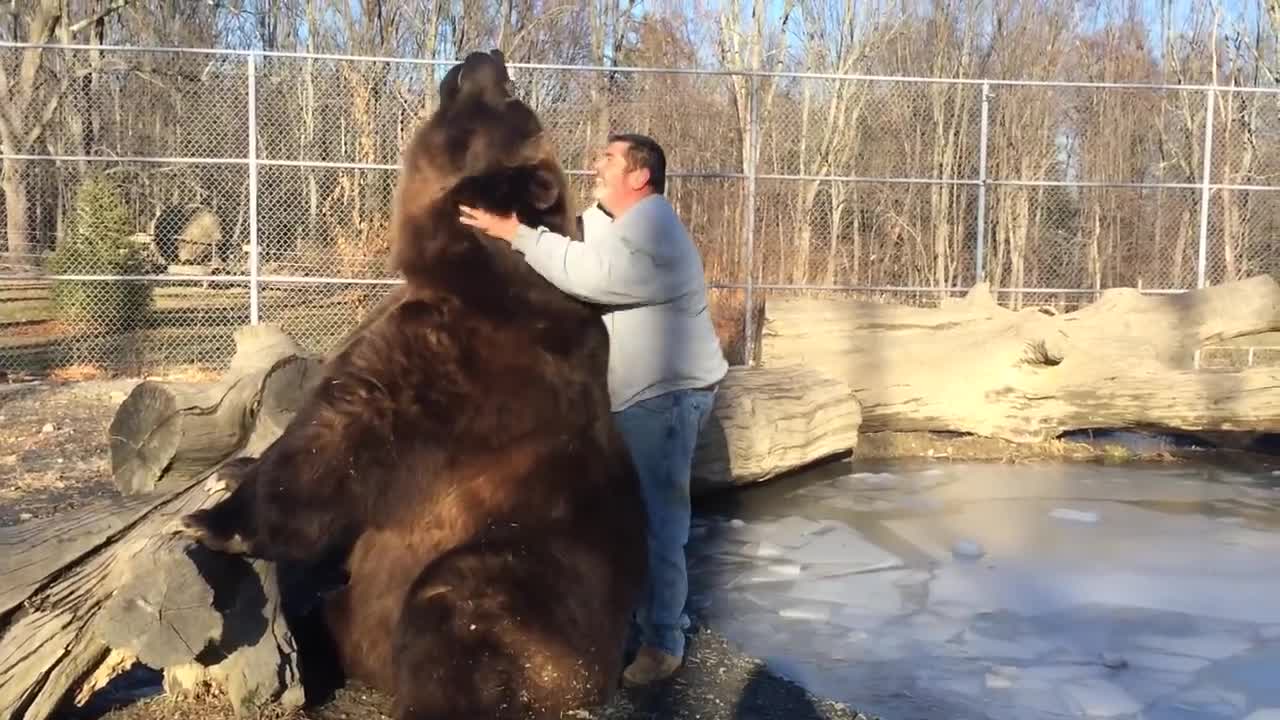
[(643, 152)]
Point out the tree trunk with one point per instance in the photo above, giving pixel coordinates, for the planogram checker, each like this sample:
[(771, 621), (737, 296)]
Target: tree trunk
[(971, 366), (766, 422), (15, 208)]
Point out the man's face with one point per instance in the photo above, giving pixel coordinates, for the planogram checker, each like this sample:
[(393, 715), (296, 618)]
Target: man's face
[(615, 184)]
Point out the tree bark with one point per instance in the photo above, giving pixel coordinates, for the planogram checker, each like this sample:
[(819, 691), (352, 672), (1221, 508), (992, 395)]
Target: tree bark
[(974, 367), (769, 421), (95, 589), (171, 432), (15, 207)]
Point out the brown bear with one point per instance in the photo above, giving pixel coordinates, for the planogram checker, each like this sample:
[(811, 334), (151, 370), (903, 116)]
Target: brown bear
[(459, 449)]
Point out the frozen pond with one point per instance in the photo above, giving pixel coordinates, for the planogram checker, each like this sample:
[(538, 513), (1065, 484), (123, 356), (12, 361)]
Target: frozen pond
[(963, 591)]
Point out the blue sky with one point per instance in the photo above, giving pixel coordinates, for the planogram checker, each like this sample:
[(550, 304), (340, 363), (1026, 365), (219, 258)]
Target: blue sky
[(1233, 10), (1246, 13)]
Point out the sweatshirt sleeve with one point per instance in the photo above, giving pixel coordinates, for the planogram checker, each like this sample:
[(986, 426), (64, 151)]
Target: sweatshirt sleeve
[(611, 269)]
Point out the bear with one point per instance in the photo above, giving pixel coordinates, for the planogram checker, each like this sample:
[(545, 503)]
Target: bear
[(458, 452)]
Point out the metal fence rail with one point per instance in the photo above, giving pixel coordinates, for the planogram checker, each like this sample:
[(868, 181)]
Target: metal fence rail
[(259, 186)]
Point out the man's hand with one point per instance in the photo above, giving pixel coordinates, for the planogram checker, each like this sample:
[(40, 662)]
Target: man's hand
[(503, 227)]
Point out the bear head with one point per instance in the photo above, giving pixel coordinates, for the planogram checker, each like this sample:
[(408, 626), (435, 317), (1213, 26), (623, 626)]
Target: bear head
[(483, 147)]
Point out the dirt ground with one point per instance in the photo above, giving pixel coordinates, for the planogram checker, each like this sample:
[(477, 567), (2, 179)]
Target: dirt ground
[(53, 445), (54, 457), (718, 682)]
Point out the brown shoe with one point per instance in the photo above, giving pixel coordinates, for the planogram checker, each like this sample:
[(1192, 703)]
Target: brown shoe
[(650, 665)]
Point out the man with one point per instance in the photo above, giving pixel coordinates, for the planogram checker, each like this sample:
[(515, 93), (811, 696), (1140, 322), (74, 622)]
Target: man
[(665, 359)]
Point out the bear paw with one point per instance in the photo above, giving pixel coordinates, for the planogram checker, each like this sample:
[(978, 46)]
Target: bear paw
[(228, 477), (196, 527), (218, 484)]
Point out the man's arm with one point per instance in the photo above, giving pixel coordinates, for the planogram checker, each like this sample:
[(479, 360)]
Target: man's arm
[(609, 269)]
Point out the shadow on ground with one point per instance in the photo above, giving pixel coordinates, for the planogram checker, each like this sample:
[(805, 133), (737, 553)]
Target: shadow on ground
[(718, 682)]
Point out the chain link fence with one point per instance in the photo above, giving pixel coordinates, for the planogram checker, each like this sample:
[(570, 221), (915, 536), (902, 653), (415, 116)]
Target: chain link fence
[(158, 198)]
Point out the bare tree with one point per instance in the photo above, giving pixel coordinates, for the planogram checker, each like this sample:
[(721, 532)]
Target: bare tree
[(1024, 129), (831, 117), (30, 93), (1116, 142)]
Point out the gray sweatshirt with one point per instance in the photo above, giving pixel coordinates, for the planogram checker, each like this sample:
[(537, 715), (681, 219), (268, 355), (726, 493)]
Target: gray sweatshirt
[(646, 267)]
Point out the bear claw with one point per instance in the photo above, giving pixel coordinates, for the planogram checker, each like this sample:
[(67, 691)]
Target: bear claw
[(192, 526), (215, 484), (189, 526)]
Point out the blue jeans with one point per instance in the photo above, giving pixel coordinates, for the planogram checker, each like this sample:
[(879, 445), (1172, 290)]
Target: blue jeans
[(662, 433)]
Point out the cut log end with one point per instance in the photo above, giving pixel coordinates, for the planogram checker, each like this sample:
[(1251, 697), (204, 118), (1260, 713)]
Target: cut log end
[(170, 432), (144, 435), (164, 614), (207, 620), (258, 347), (769, 421)]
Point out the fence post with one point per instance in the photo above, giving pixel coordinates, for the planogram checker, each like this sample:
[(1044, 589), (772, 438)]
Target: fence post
[(252, 69), (981, 251), (753, 131), (1202, 259)]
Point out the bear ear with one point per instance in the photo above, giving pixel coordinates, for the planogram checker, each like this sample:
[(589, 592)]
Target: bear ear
[(449, 85), (503, 72)]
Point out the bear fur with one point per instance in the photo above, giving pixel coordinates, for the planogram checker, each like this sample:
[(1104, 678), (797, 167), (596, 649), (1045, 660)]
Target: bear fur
[(459, 451)]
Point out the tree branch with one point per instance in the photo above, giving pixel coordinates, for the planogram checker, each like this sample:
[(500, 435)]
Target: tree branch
[(111, 8), (43, 26), (8, 114), (51, 107)]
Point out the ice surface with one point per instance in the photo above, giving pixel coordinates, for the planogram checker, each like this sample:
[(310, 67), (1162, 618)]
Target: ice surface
[(1215, 646), (814, 611), (1096, 697), (957, 591), (871, 592), (843, 547), (1209, 701), (1076, 515), (1148, 687), (1162, 661), (964, 549), (1002, 677), (978, 646)]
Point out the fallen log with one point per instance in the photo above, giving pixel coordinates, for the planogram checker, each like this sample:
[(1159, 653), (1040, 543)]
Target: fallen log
[(170, 432), (89, 592), (769, 421), (971, 366), (85, 594)]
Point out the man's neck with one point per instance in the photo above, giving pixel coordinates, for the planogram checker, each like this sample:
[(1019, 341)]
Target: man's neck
[(619, 210)]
